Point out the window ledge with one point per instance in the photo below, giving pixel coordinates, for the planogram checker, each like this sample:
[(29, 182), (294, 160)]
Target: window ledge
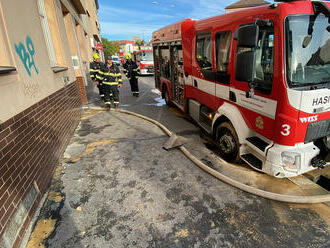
[(6, 69), (59, 69)]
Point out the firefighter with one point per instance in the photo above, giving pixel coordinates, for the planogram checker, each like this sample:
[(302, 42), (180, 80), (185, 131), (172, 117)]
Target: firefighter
[(111, 78), (95, 71), (132, 73)]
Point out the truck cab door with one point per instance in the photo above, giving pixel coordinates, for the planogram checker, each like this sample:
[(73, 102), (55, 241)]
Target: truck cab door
[(254, 70)]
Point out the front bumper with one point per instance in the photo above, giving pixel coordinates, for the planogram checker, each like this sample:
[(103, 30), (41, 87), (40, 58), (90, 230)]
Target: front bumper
[(147, 71), (301, 153)]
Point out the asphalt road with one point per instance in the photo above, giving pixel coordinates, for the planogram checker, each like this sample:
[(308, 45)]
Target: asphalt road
[(117, 187)]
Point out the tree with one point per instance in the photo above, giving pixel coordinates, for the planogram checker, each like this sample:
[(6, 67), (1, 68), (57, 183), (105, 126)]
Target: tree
[(140, 43), (110, 48)]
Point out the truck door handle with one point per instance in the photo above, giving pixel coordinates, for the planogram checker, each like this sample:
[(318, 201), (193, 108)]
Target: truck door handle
[(195, 83)]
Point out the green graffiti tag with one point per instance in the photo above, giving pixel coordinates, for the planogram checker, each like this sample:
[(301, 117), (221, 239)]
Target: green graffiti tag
[(26, 54)]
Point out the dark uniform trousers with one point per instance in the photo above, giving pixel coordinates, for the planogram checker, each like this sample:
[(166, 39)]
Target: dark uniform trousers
[(132, 73), (134, 85), (111, 93)]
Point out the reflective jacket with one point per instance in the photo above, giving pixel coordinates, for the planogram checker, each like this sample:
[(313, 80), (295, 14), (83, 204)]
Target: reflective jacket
[(95, 69), (131, 69), (110, 75)]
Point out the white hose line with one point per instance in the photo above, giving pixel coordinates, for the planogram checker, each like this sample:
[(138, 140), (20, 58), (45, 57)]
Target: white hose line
[(232, 182)]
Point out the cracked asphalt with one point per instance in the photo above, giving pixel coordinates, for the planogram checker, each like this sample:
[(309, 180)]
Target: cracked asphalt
[(117, 187)]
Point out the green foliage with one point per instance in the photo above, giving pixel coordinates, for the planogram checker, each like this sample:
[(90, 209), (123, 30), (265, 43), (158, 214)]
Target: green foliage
[(140, 43), (110, 48)]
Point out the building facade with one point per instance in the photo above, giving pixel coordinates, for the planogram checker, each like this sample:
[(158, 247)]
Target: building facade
[(45, 49), (243, 4)]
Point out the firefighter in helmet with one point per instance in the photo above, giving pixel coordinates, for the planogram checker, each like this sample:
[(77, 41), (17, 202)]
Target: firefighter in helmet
[(203, 62), (95, 73), (111, 78), (132, 73)]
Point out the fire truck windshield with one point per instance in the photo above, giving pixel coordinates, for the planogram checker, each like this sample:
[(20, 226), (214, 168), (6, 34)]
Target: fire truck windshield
[(308, 50), (147, 56)]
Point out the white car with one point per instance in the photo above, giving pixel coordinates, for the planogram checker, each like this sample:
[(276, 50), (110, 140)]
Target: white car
[(115, 60)]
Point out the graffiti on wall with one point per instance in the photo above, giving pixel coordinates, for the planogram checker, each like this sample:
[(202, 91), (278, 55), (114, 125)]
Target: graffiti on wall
[(26, 53), (31, 89)]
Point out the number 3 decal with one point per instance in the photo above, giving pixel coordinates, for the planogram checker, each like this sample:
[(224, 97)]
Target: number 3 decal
[(286, 130)]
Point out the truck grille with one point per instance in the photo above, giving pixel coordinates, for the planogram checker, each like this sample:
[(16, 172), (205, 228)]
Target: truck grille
[(317, 130)]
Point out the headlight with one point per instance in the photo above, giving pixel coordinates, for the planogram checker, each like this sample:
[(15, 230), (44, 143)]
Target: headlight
[(326, 141), (291, 161)]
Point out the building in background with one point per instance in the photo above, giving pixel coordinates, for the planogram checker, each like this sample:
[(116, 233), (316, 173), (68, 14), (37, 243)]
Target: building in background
[(126, 46), (130, 46), (45, 48), (136, 38), (242, 4)]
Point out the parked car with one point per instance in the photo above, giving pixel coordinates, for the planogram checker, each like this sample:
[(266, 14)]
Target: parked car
[(115, 60)]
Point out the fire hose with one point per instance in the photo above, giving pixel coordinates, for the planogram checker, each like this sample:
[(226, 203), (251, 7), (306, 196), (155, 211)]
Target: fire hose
[(232, 182)]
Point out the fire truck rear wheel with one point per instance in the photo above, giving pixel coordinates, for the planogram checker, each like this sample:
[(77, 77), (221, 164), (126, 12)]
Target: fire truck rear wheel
[(228, 142)]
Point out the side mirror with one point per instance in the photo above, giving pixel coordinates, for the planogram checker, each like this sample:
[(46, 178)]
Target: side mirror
[(247, 39), (247, 36), (244, 66)]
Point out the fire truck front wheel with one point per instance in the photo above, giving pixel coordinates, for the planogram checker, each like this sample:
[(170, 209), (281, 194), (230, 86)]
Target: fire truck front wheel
[(228, 142)]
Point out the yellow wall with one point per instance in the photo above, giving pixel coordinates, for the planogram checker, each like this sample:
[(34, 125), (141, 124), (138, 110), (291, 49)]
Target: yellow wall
[(21, 32)]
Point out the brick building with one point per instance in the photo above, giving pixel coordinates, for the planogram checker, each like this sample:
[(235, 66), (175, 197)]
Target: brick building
[(45, 48), (242, 4)]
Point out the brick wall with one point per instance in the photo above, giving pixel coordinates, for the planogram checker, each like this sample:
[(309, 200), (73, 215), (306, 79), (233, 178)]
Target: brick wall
[(82, 90), (30, 145)]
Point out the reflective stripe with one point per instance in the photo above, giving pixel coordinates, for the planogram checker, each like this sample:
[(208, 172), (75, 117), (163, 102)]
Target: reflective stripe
[(98, 77), (102, 95), (118, 74), (135, 92), (110, 83), (109, 74), (108, 103), (120, 80), (116, 102), (93, 70)]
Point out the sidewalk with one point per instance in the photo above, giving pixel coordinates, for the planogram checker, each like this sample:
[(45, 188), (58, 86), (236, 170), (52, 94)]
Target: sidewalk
[(117, 187)]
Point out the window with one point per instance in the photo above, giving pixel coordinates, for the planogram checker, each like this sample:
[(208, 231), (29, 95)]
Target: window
[(52, 33), (222, 41), (204, 50), (222, 50), (307, 47), (6, 61), (264, 58), (165, 62)]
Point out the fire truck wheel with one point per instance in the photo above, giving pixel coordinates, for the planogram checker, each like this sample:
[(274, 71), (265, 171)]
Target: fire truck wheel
[(167, 97), (228, 143)]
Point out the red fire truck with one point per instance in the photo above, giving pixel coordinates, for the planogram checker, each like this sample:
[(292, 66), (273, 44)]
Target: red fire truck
[(258, 80), (145, 61)]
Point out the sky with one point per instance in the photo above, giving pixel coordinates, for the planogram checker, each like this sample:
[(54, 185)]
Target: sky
[(122, 19)]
